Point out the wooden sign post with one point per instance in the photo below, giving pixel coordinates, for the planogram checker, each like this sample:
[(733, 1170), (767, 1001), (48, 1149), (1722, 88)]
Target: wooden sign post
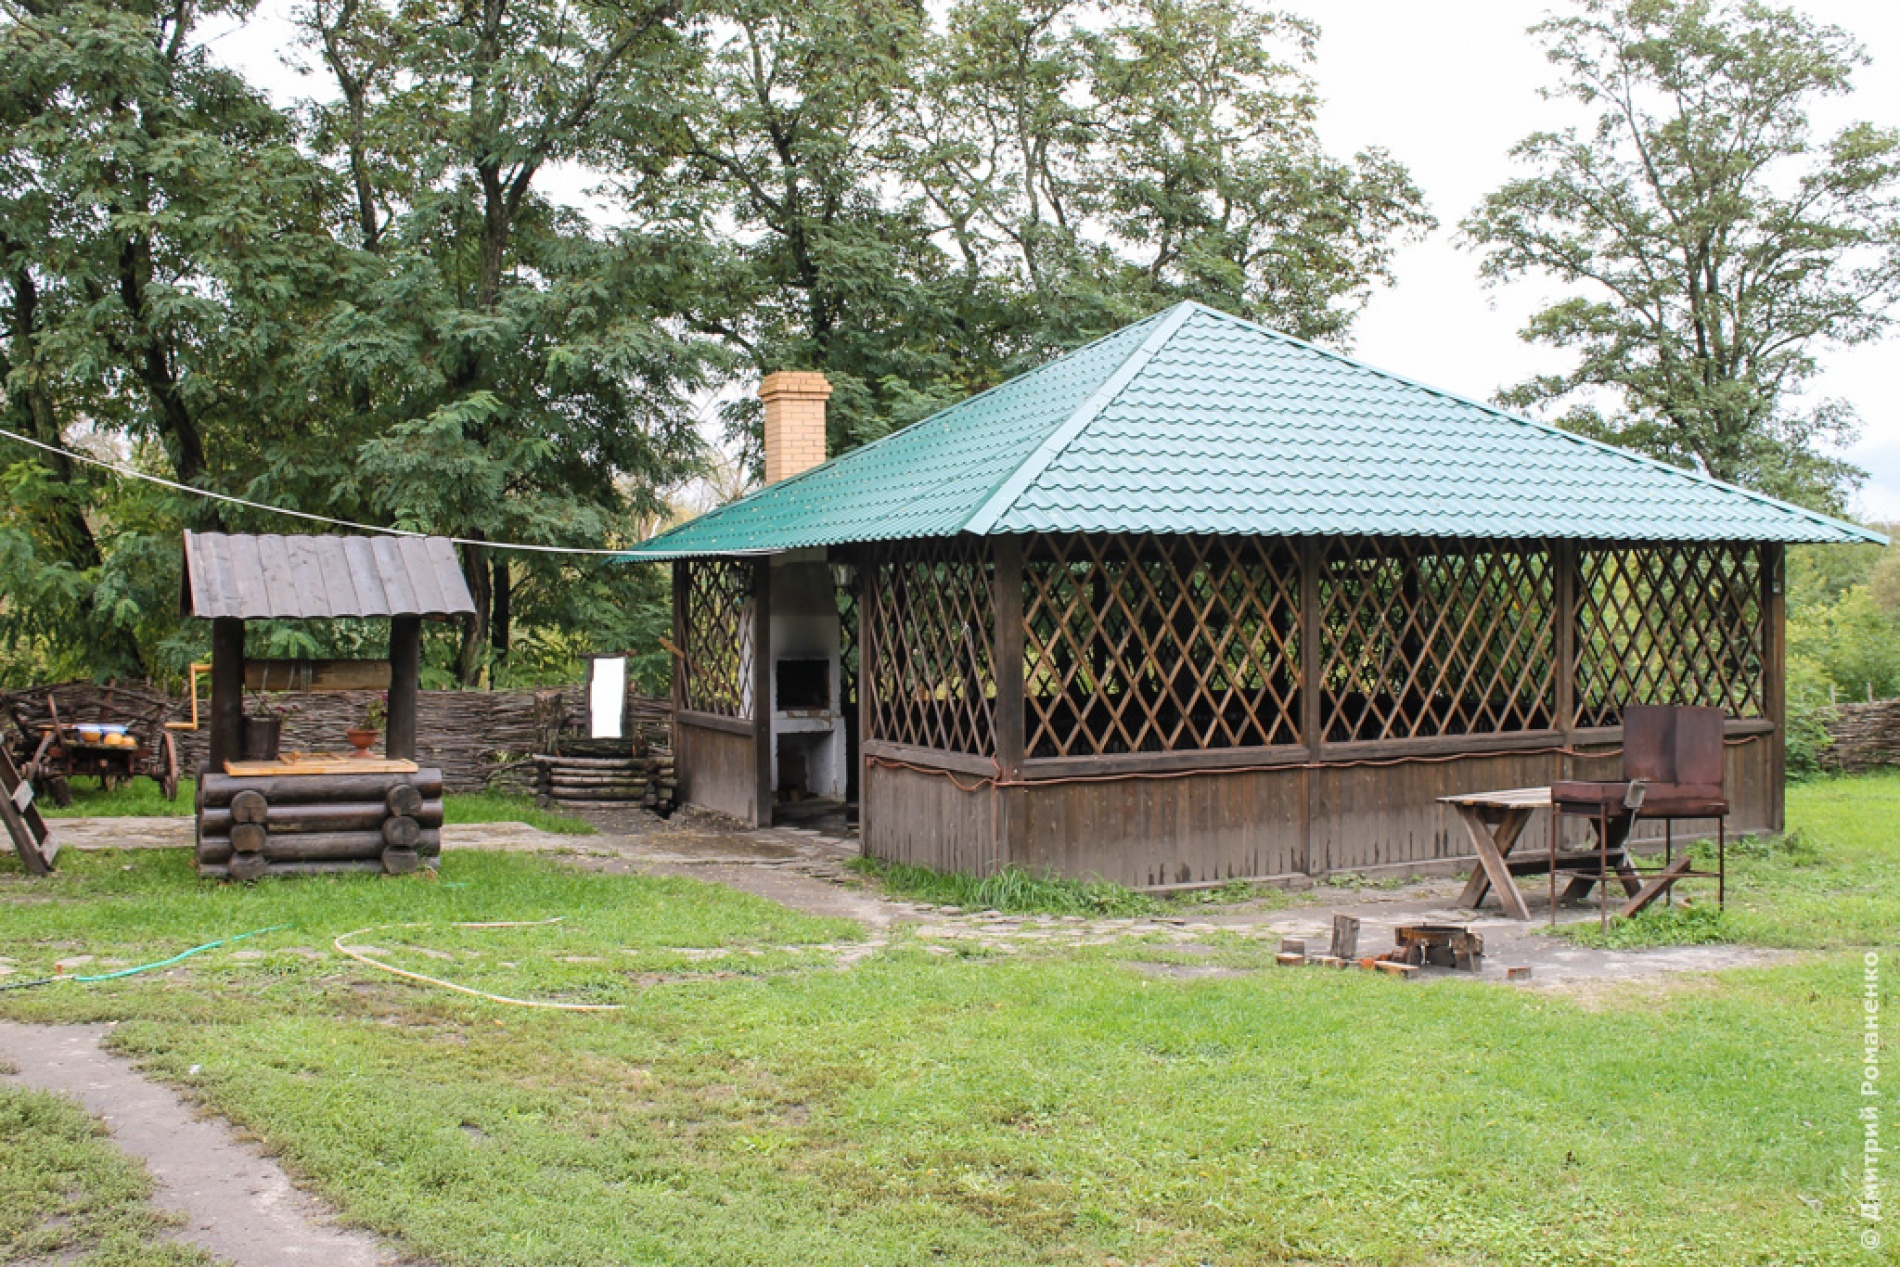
[(31, 838)]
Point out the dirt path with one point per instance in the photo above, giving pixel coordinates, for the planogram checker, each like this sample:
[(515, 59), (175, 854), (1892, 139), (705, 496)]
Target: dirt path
[(238, 1204)]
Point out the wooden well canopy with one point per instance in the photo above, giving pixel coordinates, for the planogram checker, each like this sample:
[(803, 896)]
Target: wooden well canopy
[(230, 578), (1200, 601), (265, 577)]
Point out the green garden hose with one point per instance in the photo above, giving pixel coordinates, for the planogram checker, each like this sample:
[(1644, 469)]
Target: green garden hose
[(147, 967)]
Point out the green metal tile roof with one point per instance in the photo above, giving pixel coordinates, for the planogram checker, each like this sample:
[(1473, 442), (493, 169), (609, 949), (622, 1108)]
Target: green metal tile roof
[(1194, 421)]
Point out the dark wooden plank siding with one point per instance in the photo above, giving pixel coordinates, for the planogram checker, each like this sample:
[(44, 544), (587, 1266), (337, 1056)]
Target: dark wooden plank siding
[(1261, 824), (926, 820), (1378, 816), (717, 770), (1155, 832)]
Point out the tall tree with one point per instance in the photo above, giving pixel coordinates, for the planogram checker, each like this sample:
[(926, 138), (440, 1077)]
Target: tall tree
[(924, 204), (158, 229), (514, 357), (1210, 175), (1713, 244), (792, 140)]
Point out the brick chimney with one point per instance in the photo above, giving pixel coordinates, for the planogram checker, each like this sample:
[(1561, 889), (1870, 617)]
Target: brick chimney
[(794, 422)]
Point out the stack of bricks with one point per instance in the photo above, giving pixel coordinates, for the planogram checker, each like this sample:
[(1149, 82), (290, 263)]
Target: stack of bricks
[(794, 422)]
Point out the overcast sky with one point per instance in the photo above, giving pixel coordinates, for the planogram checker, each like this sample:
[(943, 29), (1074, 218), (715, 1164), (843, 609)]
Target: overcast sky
[(1448, 86)]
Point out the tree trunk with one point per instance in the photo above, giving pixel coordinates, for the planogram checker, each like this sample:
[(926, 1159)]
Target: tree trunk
[(473, 657), (501, 622)]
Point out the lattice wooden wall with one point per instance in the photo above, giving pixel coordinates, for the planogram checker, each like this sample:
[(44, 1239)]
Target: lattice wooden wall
[(1669, 624), (933, 644), (1422, 638), (1183, 644), (715, 628), (1159, 644)]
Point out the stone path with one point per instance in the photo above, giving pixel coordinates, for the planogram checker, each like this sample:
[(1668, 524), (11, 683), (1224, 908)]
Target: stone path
[(237, 1203)]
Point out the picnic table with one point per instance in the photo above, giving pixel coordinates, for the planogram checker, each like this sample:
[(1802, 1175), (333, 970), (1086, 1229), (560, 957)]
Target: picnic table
[(1495, 821)]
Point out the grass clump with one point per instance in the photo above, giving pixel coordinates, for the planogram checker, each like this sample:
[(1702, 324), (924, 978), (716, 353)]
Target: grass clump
[(68, 1196), (1235, 893), (1691, 925), (1012, 891)]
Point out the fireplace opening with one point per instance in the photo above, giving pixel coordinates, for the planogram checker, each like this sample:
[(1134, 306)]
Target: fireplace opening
[(804, 684)]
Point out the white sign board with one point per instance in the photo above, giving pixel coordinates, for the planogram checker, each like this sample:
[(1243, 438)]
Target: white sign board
[(606, 696)]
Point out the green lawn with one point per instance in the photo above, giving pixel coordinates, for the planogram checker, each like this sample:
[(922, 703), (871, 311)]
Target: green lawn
[(141, 799), (754, 1104)]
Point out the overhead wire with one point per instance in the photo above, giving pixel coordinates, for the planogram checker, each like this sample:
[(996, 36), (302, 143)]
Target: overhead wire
[(135, 474)]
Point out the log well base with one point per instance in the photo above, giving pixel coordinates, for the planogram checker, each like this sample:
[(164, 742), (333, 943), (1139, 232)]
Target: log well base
[(250, 827)]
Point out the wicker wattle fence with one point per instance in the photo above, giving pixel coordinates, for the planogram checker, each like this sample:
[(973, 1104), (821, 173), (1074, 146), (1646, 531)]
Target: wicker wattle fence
[(1862, 736), (478, 739)]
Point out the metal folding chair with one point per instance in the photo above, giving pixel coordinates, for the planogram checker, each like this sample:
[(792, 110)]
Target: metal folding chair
[(1673, 768)]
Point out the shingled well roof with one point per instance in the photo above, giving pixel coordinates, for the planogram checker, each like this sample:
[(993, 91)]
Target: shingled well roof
[(317, 577), (1194, 421)]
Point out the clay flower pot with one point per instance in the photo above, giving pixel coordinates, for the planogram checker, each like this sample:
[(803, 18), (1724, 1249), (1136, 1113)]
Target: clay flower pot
[(362, 740)]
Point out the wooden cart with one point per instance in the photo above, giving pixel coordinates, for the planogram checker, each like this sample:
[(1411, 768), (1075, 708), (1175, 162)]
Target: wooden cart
[(61, 732)]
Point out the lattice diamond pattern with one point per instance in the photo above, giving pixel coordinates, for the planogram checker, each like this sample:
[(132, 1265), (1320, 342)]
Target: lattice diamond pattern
[(848, 595), (1427, 638), (1164, 644), (1159, 644), (933, 639), (717, 627), (1675, 624)]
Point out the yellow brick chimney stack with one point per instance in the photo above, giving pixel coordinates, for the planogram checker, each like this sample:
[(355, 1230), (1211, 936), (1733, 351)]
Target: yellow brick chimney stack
[(794, 422)]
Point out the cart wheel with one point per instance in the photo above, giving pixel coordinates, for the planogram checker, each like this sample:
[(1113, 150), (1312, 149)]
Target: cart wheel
[(168, 767), (61, 790)]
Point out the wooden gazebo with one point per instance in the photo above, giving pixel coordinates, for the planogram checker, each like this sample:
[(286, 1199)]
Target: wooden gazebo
[(1200, 601)]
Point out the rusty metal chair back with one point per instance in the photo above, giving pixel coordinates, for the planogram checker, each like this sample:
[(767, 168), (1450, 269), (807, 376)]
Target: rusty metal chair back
[(1676, 751)]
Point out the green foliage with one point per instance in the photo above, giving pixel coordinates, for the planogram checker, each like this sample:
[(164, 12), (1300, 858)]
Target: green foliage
[(1808, 704), (1854, 642), (925, 206), (1713, 244), (370, 306), (1842, 640), (1013, 891)]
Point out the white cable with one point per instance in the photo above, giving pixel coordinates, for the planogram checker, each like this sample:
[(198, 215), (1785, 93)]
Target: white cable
[(130, 473)]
